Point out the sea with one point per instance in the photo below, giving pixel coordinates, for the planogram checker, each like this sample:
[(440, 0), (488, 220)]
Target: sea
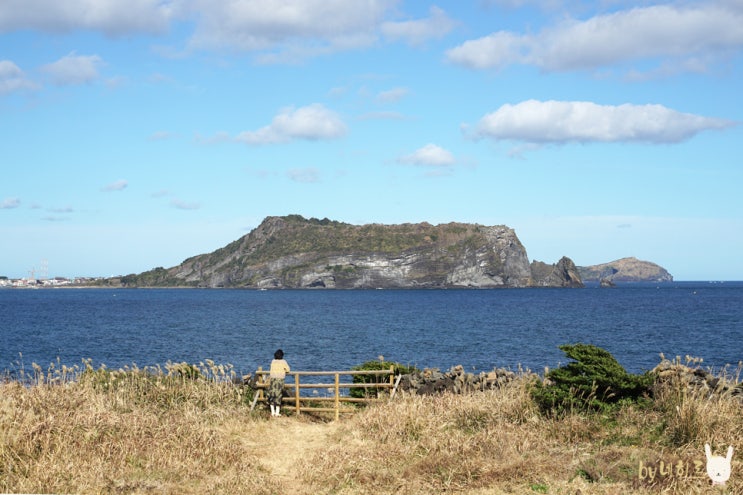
[(330, 330)]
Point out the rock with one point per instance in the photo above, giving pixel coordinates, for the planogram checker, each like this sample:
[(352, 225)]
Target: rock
[(625, 270), (293, 252), (562, 274), (674, 374), (456, 381), (431, 381)]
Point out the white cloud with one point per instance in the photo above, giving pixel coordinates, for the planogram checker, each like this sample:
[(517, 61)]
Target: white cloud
[(12, 78), (74, 69), (112, 17), (701, 33), (312, 122), (118, 185), (9, 203), (535, 121), (392, 95), (493, 51), (294, 30), (418, 31), (429, 155), (276, 31)]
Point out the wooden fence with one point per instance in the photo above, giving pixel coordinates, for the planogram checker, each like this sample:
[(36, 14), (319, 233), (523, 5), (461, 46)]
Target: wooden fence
[(332, 399)]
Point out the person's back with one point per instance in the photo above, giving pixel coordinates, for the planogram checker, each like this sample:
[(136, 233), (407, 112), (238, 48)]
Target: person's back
[(277, 374), (279, 369)]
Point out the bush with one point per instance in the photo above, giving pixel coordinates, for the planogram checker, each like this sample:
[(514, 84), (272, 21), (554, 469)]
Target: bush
[(398, 369), (594, 381)]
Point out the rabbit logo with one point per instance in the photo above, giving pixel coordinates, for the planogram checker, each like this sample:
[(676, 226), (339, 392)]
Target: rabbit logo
[(718, 467)]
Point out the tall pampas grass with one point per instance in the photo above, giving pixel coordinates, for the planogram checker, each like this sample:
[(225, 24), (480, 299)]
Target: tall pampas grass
[(189, 429)]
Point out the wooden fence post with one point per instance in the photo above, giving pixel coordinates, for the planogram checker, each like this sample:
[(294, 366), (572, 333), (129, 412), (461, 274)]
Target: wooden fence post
[(296, 393), (258, 394), (336, 400), (337, 396)]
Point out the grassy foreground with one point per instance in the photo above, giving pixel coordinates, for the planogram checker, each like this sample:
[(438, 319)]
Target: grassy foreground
[(98, 431)]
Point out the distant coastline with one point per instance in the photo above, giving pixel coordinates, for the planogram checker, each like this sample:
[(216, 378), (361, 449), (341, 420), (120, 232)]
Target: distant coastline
[(101, 283)]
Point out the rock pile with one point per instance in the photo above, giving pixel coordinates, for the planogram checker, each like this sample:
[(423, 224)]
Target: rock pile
[(431, 381), (675, 374)]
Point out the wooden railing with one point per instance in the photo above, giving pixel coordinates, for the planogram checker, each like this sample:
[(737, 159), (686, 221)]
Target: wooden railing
[(314, 402)]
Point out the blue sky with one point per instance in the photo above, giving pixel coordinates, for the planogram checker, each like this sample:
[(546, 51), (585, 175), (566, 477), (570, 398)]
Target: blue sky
[(137, 133)]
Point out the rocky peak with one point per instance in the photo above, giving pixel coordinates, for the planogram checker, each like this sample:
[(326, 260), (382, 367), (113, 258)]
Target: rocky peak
[(562, 274), (294, 252), (625, 270)]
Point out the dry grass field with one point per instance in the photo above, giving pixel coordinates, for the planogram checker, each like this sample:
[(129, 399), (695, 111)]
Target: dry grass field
[(98, 431)]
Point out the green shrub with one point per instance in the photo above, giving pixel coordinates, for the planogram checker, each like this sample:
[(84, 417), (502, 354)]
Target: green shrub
[(594, 381), (398, 369)]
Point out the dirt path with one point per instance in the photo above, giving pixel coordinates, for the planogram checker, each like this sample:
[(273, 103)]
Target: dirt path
[(296, 439)]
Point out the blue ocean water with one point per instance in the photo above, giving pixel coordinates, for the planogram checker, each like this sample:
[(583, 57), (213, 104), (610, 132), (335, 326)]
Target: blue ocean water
[(335, 330)]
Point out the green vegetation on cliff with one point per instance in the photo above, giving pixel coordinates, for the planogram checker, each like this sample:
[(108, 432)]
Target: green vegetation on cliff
[(284, 251), (294, 252)]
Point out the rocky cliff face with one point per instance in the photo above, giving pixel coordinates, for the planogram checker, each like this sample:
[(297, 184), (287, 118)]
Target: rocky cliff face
[(562, 274), (625, 270), (292, 252)]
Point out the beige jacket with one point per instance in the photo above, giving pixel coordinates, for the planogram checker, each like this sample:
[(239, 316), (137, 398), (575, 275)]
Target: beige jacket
[(279, 368)]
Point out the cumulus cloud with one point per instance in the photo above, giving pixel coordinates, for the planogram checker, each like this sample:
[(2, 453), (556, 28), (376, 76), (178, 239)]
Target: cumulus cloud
[(289, 30), (74, 69), (118, 185), (276, 31), (419, 31), (312, 122), (12, 78), (535, 121), (112, 17), (698, 32), (9, 203), (493, 51), (429, 155)]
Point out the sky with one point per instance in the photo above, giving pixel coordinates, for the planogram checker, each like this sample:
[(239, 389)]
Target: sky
[(137, 133)]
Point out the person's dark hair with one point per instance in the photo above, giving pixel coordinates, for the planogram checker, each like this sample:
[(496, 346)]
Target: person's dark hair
[(278, 354)]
